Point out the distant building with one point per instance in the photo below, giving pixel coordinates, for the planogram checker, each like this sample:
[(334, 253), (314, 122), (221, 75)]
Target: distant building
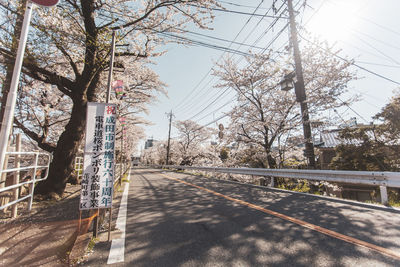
[(149, 143)]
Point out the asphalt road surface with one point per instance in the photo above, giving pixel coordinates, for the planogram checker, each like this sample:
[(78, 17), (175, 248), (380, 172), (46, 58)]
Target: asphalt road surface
[(175, 219)]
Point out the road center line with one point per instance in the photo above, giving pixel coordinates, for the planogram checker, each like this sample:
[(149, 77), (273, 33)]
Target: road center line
[(348, 239), (117, 250)]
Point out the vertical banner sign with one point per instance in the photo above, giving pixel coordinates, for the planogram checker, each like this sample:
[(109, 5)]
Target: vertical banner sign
[(98, 165)]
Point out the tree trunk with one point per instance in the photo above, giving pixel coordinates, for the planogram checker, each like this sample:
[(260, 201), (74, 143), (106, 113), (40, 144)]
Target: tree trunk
[(271, 161), (61, 166)]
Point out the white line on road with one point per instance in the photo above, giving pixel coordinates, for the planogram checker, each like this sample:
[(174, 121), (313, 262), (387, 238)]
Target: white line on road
[(117, 250)]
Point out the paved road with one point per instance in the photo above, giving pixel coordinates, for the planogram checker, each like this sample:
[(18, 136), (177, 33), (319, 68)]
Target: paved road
[(197, 221)]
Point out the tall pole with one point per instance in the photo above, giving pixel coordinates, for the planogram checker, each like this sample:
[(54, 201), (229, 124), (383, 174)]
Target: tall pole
[(300, 90), (10, 64), (169, 137), (110, 71), (109, 84), (8, 118)]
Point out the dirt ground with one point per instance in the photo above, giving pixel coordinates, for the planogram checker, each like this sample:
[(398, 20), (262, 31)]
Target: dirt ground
[(43, 236), (46, 235)]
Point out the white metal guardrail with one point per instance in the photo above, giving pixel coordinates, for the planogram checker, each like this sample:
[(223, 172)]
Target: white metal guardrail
[(31, 182), (381, 179)]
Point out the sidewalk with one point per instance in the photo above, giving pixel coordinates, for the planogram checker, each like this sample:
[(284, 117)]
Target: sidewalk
[(43, 237)]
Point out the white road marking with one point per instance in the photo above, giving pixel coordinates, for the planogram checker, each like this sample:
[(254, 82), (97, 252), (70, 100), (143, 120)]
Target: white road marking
[(117, 250)]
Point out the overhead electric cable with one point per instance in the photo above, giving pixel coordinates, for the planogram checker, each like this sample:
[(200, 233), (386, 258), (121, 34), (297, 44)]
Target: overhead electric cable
[(354, 64), (238, 12), (199, 43), (238, 5), (223, 40), (221, 107), (220, 57), (377, 64), (218, 97), (253, 31), (270, 43), (379, 51)]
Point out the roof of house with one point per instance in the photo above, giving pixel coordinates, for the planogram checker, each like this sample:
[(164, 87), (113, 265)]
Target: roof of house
[(330, 139)]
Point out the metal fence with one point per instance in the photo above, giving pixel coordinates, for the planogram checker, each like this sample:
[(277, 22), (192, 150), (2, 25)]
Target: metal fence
[(381, 179), (120, 170), (38, 162)]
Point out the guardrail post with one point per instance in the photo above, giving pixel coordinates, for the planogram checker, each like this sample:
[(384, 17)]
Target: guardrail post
[(17, 164), (3, 175), (384, 194), (272, 182), (32, 187)]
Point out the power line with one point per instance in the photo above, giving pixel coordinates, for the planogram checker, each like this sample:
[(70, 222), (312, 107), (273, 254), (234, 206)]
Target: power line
[(377, 40), (220, 57), (235, 4), (270, 43), (211, 122), (238, 12), (221, 39), (221, 107), (194, 116), (266, 31), (208, 45), (353, 63), (264, 49), (371, 21), (377, 64), (379, 51), (380, 26)]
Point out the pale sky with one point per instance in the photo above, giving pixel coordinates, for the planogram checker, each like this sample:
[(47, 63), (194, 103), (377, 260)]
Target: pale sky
[(366, 30)]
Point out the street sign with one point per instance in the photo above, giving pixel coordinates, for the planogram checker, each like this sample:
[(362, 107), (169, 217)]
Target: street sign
[(98, 163), (47, 3)]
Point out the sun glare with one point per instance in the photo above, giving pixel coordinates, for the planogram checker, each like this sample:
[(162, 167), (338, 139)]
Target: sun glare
[(335, 19)]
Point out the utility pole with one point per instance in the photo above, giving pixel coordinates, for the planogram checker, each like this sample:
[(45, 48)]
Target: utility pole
[(169, 136), (300, 90)]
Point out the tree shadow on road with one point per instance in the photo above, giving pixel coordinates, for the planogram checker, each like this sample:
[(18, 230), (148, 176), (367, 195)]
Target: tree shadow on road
[(173, 224)]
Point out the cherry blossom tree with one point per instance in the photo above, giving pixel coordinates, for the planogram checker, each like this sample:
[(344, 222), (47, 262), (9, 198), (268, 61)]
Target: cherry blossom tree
[(266, 116), (192, 141), (69, 48)]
